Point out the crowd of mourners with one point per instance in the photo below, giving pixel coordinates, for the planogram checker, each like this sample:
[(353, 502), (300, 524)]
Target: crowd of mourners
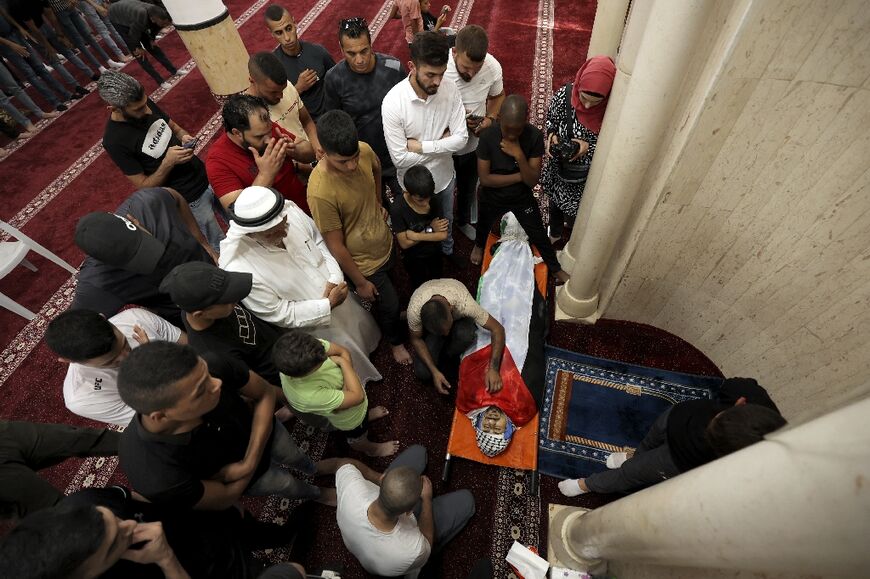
[(198, 340)]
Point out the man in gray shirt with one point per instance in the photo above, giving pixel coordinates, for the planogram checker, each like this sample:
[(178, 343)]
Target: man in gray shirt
[(357, 85)]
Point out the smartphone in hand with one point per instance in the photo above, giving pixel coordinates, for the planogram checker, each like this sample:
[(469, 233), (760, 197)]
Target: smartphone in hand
[(191, 144)]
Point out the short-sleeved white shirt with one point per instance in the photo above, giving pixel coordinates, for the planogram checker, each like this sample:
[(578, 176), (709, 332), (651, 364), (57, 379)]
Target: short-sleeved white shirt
[(457, 295), (487, 83), (389, 554), (93, 392)]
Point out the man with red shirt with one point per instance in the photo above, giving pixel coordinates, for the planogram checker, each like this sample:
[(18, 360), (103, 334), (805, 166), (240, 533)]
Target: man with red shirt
[(253, 151)]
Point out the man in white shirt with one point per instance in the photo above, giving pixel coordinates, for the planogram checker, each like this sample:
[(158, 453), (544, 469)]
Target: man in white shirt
[(94, 348), (390, 522), (424, 122), (478, 76)]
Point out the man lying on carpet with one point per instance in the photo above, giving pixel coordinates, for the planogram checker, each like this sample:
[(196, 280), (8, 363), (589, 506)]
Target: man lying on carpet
[(687, 435), (94, 348), (448, 314), (103, 532), (195, 443)]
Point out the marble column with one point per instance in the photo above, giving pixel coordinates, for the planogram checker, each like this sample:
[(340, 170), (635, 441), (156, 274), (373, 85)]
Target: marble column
[(607, 30), (208, 32)]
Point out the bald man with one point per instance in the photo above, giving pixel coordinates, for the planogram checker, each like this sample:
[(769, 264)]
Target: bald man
[(509, 164), (390, 522)]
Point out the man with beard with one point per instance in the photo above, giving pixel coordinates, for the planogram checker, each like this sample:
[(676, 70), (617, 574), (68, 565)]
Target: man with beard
[(131, 250), (425, 125), (254, 150), (269, 82), (478, 77), (357, 85), (153, 151), (306, 63)]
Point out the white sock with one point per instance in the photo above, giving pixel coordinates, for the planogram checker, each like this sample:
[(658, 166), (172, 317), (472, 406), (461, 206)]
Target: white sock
[(571, 487), (616, 459)]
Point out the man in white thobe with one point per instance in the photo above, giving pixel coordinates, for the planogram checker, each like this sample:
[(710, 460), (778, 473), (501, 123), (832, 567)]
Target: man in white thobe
[(297, 283)]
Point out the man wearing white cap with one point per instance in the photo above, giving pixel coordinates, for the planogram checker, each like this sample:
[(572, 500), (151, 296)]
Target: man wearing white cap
[(297, 282)]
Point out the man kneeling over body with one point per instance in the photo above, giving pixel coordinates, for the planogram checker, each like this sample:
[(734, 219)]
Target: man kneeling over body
[(195, 442)]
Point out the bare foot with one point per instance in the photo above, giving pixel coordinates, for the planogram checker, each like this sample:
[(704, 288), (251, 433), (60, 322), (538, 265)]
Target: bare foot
[(476, 255), (562, 277), (3, 153), (327, 497), (401, 355), (50, 114), (377, 412), (370, 448)]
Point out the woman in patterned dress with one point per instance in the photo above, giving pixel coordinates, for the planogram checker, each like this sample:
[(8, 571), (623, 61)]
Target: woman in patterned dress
[(586, 100)]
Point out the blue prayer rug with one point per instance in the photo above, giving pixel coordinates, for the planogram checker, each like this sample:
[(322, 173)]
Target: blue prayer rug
[(593, 407)]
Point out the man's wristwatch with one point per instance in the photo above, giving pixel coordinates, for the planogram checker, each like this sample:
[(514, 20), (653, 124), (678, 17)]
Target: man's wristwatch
[(428, 230)]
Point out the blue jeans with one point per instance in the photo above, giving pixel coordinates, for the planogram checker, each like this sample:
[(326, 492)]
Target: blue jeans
[(10, 88), (60, 47), (77, 31), (445, 198), (34, 71), (103, 27), (277, 480), (203, 211)]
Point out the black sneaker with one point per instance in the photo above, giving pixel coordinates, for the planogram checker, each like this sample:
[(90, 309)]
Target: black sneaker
[(82, 90), (95, 76), (74, 97), (60, 108)]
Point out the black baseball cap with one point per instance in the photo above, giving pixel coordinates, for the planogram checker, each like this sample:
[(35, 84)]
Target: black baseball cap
[(117, 241), (197, 285)]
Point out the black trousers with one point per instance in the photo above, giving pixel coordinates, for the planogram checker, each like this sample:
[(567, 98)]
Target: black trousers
[(386, 307), (422, 269), (445, 350), (26, 447), (466, 185), (527, 213), (392, 182), (145, 42), (558, 220)]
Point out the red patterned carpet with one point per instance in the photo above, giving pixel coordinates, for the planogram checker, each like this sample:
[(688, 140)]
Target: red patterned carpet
[(56, 177)]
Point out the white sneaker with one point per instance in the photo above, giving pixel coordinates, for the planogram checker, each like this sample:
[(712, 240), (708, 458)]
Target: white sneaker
[(103, 69), (616, 459), (115, 65), (166, 86), (48, 68), (571, 487)]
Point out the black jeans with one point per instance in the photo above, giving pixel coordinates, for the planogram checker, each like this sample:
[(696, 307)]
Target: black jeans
[(466, 185), (391, 181), (422, 269), (26, 447), (527, 212), (387, 305), (145, 42), (445, 350)]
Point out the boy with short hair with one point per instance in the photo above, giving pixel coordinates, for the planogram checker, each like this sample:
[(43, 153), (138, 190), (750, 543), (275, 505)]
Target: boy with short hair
[(419, 227), (319, 382)]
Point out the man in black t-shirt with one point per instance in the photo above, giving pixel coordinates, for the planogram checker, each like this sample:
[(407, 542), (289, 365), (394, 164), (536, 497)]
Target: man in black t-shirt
[(688, 435), (153, 151), (357, 85), (195, 443), (306, 63), (509, 163), (132, 250), (419, 226)]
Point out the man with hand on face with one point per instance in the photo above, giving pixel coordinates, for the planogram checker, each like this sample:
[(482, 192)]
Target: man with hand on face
[(357, 85), (478, 76), (306, 63), (509, 163), (424, 123), (269, 82), (153, 151), (254, 151)]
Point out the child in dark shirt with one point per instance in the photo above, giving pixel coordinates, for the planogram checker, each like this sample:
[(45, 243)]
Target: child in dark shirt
[(419, 227)]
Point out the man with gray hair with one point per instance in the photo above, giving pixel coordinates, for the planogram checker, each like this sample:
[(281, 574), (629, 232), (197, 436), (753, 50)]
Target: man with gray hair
[(390, 522), (153, 151), (133, 20)]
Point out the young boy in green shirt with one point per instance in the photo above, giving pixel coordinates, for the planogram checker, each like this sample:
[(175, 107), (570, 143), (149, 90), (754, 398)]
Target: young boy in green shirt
[(320, 383)]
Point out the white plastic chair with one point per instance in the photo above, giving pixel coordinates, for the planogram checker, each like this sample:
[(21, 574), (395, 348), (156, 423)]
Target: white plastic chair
[(14, 252)]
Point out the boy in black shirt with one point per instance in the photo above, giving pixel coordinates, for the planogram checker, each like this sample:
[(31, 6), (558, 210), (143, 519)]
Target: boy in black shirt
[(419, 227), (195, 442), (509, 164)]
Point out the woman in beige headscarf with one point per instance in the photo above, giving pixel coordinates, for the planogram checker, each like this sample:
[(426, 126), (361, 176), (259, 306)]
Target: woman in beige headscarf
[(297, 282)]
